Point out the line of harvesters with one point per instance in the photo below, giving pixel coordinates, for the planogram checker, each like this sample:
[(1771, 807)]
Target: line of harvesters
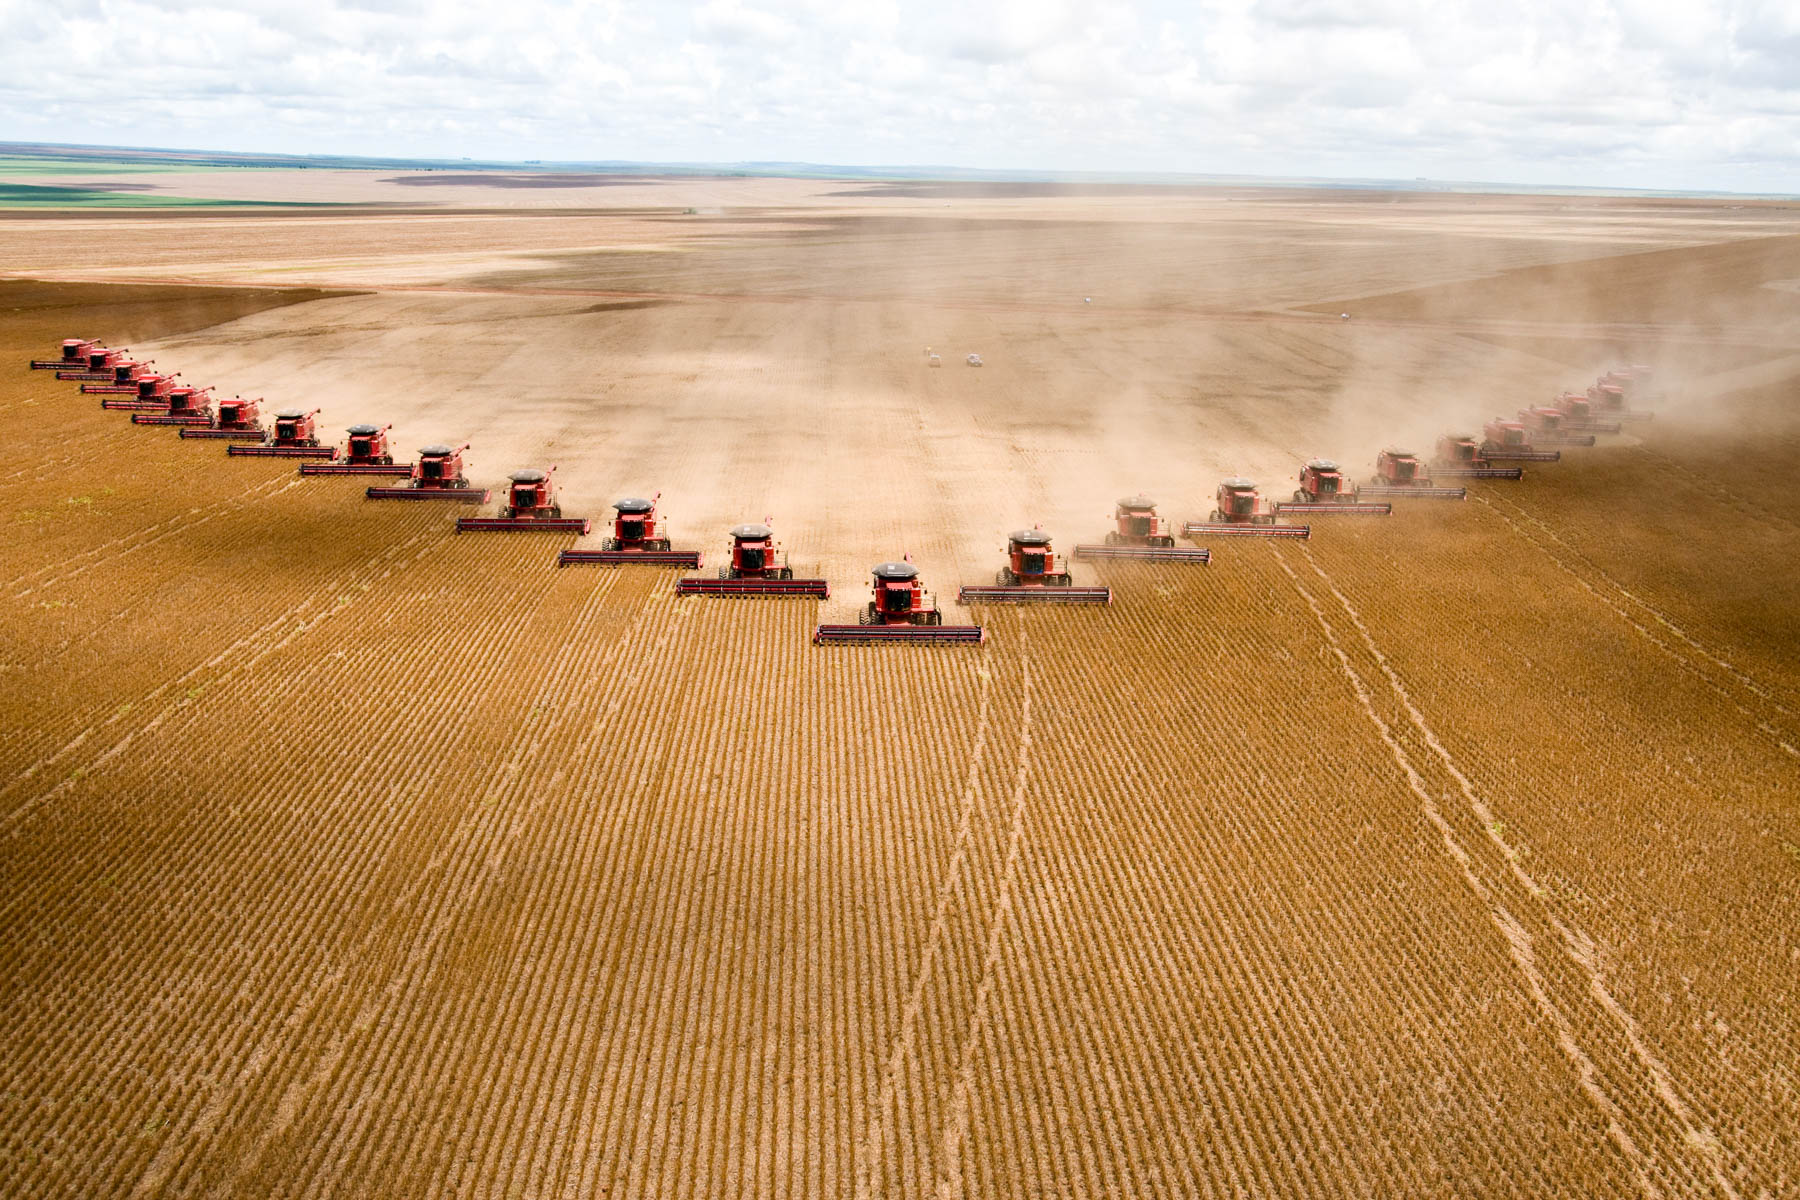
[(899, 608)]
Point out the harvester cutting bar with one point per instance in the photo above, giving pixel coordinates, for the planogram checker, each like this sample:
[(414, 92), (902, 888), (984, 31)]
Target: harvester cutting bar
[(697, 586), (1192, 554), (689, 559), (1209, 529), (1591, 426), (851, 635), (225, 435), (1636, 414), (54, 364), (389, 470), (453, 494), (1565, 439), (143, 418), (85, 376), (1415, 493), (991, 593), (1479, 472), (328, 452), (1522, 454), (1329, 508), (575, 525), (109, 389), (149, 406)]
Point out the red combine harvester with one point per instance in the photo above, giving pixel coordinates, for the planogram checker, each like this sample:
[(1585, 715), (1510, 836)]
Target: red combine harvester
[(1461, 457), (1400, 473), (530, 505), (366, 453), (900, 611), (1577, 412), (438, 475), (149, 394), (122, 382), (1322, 490), (635, 540), (1611, 395), (1032, 575), (97, 367), (295, 436), (1546, 426), (238, 421), (1511, 441), (187, 406), (74, 355), (1141, 534), (757, 568), (1242, 512)]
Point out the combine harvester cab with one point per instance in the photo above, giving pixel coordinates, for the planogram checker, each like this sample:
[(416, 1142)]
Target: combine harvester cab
[(187, 406), (1033, 574), (366, 453), (96, 368), (757, 568), (1322, 490), (1577, 411), (122, 382), (295, 436), (1139, 533), (239, 420), (74, 356), (1546, 426), (149, 393), (899, 611), (530, 506), (1242, 512), (1510, 441), (438, 475), (636, 541), (1612, 393), (1460, 456), (1400, 473)]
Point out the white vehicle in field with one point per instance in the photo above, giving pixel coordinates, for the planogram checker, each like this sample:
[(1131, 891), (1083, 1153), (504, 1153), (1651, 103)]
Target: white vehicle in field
[(974, 360), (934, 361)]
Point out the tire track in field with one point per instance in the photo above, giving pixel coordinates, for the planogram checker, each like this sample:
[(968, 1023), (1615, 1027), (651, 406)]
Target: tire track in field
[(139, 538), (1518, 940), (874, 1141), (1744, 681), (950, 1173), (1579, 946)]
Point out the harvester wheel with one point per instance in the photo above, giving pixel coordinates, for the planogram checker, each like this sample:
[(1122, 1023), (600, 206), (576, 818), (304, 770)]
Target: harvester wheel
[(1299, 497), (610, 544), (555, 512), (1112, 539), (1063, 580), (1004, 577), (1165, 542), (785, 573), (934, 617), (658, 543), (866, 614), (1217, 516)]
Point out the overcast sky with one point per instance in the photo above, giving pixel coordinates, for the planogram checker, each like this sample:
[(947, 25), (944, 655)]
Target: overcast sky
[(1678, 93)]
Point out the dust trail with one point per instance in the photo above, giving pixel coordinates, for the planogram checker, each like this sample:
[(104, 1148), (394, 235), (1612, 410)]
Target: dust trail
[(1518, 939), (950, 1182), (868, 1159), (1686, 663), (1579, 945)]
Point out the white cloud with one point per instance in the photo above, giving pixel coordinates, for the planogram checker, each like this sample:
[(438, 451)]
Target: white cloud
[(1640, 92)]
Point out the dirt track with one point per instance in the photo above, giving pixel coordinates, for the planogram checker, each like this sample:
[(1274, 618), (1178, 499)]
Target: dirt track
[(1447, 854)]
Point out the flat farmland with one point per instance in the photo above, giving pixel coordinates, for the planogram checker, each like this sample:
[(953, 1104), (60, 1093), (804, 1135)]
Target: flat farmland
[(1448, 854)]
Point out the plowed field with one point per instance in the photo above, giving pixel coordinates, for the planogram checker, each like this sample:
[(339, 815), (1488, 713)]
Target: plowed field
[(1456, 853)]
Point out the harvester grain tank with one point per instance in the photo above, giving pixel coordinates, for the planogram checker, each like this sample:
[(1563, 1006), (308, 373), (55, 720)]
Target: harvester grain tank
[(295, 435), (1033, 574), (365, 453), (757, 568), (438, 475), (1400, 473), (1242, 512), (1546, 426), (238, 420), (636, 540), (187, 406), (899, 610), (74, 356), (1510, 441), (1460, 456), (1323, 489), (530, 506), (1139, 533)]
